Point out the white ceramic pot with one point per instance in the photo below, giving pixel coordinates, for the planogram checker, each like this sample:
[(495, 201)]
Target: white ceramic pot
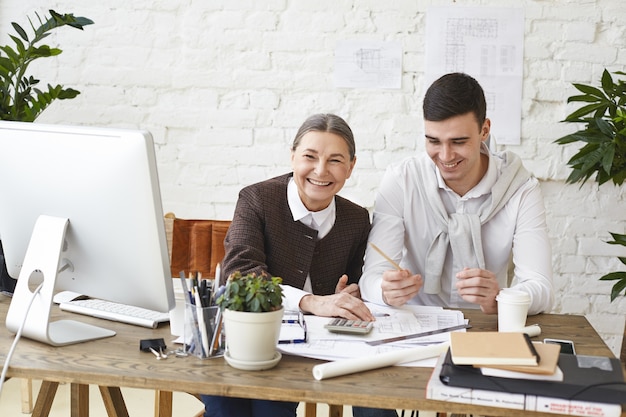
[(252, 337)]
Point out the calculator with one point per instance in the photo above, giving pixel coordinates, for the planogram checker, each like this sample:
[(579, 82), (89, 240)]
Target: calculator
[(339, 325)]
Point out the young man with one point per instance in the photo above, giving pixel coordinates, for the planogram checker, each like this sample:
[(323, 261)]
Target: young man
[(452, 218)]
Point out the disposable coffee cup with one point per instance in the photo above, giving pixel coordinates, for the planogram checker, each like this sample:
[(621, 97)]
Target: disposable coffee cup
[(512, 310), (177, 314)]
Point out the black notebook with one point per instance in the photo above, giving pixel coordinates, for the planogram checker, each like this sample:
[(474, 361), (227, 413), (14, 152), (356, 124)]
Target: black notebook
[(585, 378)]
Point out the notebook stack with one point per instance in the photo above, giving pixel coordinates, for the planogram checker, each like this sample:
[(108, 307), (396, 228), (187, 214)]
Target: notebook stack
[(508, 371)]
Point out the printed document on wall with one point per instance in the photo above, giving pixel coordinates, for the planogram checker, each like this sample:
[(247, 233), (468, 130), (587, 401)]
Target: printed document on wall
[(486, 43), (368, 64)]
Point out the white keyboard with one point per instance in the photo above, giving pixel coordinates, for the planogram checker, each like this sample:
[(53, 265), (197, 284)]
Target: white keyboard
[(115, 311)]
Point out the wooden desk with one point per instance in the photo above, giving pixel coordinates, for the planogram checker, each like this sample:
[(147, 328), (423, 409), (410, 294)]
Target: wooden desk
[(118, 362)]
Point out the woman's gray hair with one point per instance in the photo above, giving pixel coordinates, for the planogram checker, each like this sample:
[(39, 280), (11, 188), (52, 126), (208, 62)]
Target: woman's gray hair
[(326, 122)]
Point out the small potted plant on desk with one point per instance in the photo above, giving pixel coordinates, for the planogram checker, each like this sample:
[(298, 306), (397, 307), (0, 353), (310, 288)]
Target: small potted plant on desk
[(252, 307)]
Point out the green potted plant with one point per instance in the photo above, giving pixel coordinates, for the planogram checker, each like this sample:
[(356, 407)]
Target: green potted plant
[(252, 310), (20, 99), (603, 154)]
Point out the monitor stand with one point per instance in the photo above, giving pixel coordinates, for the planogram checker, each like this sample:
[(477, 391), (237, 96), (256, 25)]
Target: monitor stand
[(44, 255)]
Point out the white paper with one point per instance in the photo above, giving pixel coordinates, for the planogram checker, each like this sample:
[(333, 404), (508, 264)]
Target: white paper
[(322, 344), (368, 64), (486, 43)]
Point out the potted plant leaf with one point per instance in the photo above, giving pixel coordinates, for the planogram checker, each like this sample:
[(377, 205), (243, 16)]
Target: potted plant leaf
[(20, 98), (252, 310), (603, 154)]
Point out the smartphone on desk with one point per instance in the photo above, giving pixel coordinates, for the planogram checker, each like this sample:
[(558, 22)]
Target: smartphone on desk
[(567, 346)]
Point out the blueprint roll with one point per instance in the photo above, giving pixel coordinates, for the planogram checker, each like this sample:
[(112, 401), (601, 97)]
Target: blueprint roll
[(395, 357)]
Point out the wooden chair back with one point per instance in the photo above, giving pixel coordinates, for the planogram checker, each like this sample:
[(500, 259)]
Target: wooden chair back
[(195, 244)]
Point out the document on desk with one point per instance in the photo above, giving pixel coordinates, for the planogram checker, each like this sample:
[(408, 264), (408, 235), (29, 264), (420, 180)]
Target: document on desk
[(390, 322)]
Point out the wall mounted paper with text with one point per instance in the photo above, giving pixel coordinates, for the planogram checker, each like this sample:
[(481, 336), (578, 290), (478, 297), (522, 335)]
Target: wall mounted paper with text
[(488, 44), (368, 64)]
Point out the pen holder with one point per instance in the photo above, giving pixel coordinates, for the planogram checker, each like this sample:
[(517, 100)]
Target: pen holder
[(203, 331)]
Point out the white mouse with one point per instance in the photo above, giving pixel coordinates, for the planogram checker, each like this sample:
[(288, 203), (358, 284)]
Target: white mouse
[(65, 296)]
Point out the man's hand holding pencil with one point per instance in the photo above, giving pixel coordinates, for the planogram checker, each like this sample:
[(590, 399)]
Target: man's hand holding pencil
[(398, 285)]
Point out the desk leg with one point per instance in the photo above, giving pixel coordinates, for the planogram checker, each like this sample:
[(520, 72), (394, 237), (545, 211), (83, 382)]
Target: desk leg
[(79, 400), (44, 399), (114, 401), (310, 409), (26, 388), (335, 410), (163, 403)]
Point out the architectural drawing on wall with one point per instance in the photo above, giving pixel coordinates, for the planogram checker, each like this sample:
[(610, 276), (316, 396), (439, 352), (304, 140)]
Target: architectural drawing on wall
[(360, 64), (368, 60), (487, 43)]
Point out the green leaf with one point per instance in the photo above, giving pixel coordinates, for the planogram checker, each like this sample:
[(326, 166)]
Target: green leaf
[(20, 31), (618, 239), (613, 276), (590, 90), (14, 56), (619, 176), (619, 286), (21, 49), (583, 111), (607, 158), (586, 98), (607, 82)]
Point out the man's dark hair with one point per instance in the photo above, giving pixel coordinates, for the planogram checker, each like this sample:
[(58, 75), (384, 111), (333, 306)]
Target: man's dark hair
[(452, 95)]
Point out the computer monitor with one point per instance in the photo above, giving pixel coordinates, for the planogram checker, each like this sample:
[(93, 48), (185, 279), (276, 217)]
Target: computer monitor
[(80, 210)]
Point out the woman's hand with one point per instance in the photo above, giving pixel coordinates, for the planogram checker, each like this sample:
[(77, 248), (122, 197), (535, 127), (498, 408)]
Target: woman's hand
[(352, 289), (341, 304)]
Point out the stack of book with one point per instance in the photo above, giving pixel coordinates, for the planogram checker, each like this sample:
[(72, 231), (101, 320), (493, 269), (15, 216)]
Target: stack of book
[(498, 372)]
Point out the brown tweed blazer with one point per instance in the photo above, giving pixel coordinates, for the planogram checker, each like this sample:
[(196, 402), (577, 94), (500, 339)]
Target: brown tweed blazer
[(264, 238)]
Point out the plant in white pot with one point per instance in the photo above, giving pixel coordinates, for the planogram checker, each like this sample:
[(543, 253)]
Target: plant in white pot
[(252, 309)]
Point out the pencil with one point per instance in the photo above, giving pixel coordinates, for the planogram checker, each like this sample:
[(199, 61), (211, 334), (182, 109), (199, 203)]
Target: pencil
[(377, 249)]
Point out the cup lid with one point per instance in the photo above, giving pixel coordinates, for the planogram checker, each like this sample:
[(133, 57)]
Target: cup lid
[(510, 295)]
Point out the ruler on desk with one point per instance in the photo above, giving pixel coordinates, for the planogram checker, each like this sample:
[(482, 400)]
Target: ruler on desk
[(416, 335)]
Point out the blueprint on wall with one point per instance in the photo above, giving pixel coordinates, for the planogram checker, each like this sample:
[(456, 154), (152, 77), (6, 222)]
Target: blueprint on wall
[(486, 43)]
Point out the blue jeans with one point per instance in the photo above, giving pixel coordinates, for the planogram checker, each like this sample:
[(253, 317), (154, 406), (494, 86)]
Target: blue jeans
[(216, 406), (373, 412)]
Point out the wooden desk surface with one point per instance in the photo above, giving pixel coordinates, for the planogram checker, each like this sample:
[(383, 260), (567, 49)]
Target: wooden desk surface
[(117, 361)]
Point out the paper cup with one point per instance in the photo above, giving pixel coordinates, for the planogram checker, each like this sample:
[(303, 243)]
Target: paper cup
[(512, 310), (177, 314)]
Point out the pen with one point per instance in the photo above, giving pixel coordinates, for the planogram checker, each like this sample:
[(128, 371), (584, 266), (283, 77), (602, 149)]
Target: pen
[(202, 325), (215, 338), (291, 342), (391, 261)]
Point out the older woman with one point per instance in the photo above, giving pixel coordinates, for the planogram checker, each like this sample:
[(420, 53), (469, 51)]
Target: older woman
[(295, 226)]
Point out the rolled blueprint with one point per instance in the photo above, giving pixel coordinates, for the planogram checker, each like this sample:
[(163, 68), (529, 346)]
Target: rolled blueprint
[(395, 357)]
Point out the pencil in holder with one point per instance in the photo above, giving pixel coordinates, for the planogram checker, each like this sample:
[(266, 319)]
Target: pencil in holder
[(203, 331)]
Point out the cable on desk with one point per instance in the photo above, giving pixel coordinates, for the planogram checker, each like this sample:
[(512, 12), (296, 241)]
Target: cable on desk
[(17, 337)]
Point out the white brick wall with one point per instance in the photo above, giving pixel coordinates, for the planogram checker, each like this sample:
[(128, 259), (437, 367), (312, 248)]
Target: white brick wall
[(223, 86)]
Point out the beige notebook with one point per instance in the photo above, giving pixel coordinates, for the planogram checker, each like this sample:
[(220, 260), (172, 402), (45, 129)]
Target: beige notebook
[(492, 348), (549, 354)]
